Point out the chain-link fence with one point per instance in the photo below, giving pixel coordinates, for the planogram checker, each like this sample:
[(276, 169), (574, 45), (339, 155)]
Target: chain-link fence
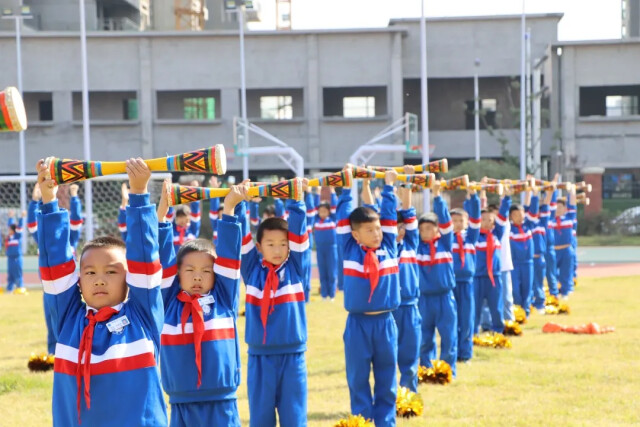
[(106, 202)]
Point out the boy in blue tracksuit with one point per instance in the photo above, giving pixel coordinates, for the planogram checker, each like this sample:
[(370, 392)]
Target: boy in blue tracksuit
[(371, 294), (550, 253), (200, 352), (466, 229), (522, 250), (539, 250), (324, 229), (487, 282), (274, 270), (437, 281), (563, 230), (13, 250), (407, 315), (311, 209), (105, 369)]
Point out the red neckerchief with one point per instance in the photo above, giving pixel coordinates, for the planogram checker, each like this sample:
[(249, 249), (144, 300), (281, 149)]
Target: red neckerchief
[(86, 344), (267, 303), (490, 248), (192, 307), (372, 269), (181, 232), (461, 246)]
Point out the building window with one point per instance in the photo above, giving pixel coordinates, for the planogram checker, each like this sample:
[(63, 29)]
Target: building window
[(355, 102), (276, 107), (130, 109), (620, 106), (199, 108), (45, 110), (488, 108), (358, 106)]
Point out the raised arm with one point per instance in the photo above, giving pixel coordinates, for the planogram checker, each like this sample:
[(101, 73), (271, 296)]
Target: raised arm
[(250, 256), (57, 266), (169, 286), (472, 206), (532, 216), (344, 209), (279, 206), (144, 274), (75, 209), (388, 215), (194, 226), (503, 215), (298, 236), (445, 225)]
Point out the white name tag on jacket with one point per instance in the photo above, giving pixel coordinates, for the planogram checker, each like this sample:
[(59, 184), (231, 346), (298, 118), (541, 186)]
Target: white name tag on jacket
[(205, 302), (117, 326)]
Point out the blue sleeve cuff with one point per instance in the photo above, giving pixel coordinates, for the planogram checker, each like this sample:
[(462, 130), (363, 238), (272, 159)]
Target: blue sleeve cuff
[(230, 218), (139, 200), (163, 225), (50, 207), (388, 188)]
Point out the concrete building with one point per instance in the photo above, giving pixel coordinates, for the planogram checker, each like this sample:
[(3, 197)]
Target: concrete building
[(323, 92), (630, 18), (595, 108)]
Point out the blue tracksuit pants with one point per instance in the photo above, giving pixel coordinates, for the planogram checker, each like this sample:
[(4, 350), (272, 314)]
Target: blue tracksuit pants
[(522, 279), (277, 381), (439, 312), (14, 270), (564, 262), (340, 269), (214, 413), (466, 308), (539, 271), (372, 340), (51, 336), (485, 290), (409, 323), (327, 267), (552, 280)]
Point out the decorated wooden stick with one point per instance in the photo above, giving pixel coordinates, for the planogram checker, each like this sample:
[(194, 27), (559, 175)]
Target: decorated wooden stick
[(489, 188), (457, 183), (583, 186), (438, 166), (290, 189), (12, 115), (338, 179), (583, 199), (205, 160), (424, 180)]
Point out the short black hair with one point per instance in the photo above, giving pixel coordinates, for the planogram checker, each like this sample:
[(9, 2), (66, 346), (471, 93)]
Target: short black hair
[(183, 210), (362, 215), (515, 207), (492, 208), (428, 218), (270, 224), (269, 210), (325, 205), (104, 242), (459, 211), (197, 245), (562, 201), (485, 210), (13, 227), (399, 217)]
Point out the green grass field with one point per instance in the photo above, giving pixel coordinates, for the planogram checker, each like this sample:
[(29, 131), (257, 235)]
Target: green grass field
[(543, 380)]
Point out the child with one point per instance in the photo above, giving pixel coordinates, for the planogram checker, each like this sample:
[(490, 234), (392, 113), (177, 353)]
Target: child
[(437, 281), (487, 282), (107, 344), (324, 229), (407, 316), (276, 320), (539, 250), (563, 230), (522, 248), (13, 246), (200, 320), (182, 227), (550, 254), (371, 293), (466, 228)]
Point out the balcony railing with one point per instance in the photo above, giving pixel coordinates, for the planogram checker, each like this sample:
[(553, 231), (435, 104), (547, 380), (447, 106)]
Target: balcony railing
[(118, 24)]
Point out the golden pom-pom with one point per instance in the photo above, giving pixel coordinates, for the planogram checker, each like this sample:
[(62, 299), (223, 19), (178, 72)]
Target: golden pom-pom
[(440, 373), (563, 309), (512, 328), (20, 291), (354, 421), (408, 403), (520, 314), (492, 339), (40, 362), (551, 300)]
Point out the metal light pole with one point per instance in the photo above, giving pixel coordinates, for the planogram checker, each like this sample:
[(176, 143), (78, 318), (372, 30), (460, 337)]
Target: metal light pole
[(243, 91), (86, 138), (424, 104), (523, 119), (24, 14), (476, 108)]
